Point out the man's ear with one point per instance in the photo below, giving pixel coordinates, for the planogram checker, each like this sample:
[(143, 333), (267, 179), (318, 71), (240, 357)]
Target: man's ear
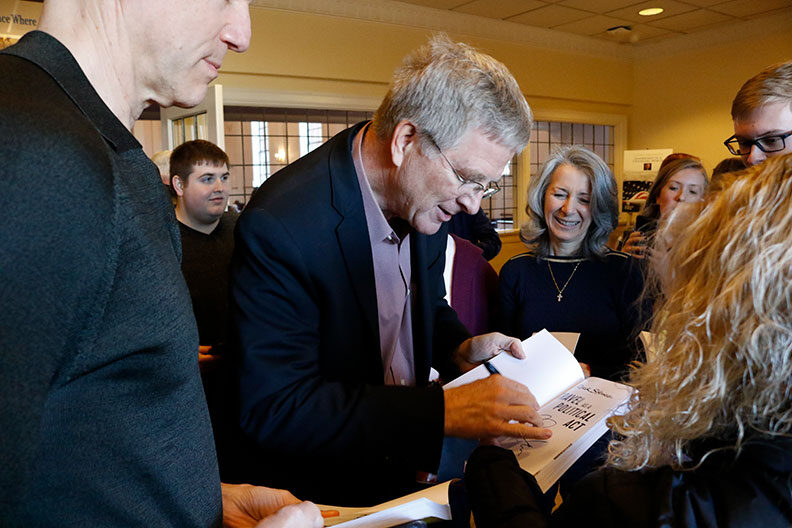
[(178, 184), (405, 137)]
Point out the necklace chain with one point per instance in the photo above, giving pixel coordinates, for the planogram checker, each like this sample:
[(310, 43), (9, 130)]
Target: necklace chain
[(561, 289)]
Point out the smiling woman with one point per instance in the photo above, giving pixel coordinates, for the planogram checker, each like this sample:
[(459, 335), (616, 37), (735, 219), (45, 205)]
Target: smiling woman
[(569, 281)]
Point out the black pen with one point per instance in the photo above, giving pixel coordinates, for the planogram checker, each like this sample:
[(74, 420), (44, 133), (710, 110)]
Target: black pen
[(490, 368)]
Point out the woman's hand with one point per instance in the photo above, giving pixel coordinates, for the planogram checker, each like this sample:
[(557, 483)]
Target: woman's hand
[(586, 369), (636, 245)]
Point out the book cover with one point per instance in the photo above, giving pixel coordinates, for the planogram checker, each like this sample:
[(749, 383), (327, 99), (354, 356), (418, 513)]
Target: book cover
[(572, 406)]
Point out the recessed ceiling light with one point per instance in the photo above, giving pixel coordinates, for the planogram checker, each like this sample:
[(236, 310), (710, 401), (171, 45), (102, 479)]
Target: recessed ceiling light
[(650, 11)]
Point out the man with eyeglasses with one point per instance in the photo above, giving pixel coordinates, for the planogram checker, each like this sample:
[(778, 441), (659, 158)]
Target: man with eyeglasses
[(337, 282), (762, 114)]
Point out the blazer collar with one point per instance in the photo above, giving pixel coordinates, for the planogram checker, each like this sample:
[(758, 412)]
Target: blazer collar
[(50, 55), (352, 230)]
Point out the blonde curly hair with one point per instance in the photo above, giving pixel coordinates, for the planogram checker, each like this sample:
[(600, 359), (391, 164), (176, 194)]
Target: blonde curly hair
[(724, 365)]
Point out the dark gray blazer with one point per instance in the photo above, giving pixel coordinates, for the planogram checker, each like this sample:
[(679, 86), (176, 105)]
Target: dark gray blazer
[(102, 416)]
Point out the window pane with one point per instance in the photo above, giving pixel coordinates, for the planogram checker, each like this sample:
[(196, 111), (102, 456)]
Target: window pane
[(232, 128), (566, 133), (555, 132), (542, 135)]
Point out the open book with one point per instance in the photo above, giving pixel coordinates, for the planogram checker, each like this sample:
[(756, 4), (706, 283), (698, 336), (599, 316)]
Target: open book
[(430, 505), (572, 406)]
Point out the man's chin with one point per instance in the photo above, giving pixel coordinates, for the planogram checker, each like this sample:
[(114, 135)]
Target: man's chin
[(427, 227), (212, 216), (191, 97)]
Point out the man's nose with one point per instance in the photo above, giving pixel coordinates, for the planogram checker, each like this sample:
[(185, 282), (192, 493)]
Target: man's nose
[(470, 202), (755, 157), (236, 33)]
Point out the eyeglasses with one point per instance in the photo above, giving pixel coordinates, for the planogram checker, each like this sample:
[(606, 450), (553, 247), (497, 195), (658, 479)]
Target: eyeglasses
[(488, 191), (742, 147)]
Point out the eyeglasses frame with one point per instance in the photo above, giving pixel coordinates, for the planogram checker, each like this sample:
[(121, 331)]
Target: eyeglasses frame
[(487, 192), (753, 142)]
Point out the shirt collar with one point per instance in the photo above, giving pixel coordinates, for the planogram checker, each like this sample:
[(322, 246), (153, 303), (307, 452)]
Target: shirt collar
[(379, 228)]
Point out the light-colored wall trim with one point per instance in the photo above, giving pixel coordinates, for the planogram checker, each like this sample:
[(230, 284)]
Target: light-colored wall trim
[(212, 106), (415, 16)]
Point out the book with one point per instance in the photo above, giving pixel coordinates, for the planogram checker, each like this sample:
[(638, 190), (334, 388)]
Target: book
[(568, 339), (572, 406), (430, 504)]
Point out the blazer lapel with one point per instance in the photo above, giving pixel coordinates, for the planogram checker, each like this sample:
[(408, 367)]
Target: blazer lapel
[(352, 230)]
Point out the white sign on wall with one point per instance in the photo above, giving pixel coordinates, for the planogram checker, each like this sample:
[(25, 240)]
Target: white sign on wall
[(17, 17), (640, 169), (644, 162)]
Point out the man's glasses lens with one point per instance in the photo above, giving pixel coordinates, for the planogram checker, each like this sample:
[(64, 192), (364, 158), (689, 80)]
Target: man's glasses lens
[(491, 189), (740, 147), (771, 144), (487, 191)]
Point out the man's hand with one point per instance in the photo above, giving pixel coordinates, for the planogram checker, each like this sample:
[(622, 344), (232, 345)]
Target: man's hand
[(246, 506), (478, 349), (484, 408)]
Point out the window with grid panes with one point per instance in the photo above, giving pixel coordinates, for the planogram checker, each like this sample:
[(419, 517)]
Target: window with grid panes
[(501, 207), (261, 141), (547, 136)]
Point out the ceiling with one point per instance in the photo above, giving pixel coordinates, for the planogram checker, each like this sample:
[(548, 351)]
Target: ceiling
[(594, 18)]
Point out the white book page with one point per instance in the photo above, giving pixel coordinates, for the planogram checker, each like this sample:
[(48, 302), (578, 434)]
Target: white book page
[(548, 368), (577, 412), (411, 511), (430, 502)]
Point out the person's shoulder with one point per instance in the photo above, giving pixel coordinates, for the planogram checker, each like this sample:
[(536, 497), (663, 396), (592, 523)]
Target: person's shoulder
[(225, 228), (522, 259), (229, 219), (616, 256), (300, 188), (628, 498), (618, 261), (519, 263), (313, 181), (42, 128), (28, 92)]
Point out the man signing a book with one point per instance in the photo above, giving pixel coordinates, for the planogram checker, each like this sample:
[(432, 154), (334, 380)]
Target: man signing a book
[(337, 285)]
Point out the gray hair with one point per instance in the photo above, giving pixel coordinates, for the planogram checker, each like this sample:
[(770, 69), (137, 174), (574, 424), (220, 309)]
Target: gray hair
[(447, 88), (771, 85), (162, 160), (603, 205)]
